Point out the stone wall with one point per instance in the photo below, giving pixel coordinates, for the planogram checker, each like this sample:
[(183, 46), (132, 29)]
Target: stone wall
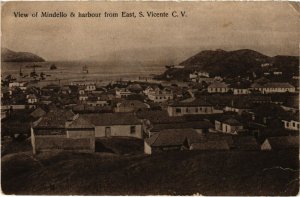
[(61, 142)]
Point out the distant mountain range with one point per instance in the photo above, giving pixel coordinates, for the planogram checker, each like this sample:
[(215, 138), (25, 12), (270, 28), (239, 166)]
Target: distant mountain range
[(12, 56), (231, 63)]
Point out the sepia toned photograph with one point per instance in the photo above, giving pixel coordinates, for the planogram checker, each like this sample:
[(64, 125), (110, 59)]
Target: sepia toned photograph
[(150, 98)]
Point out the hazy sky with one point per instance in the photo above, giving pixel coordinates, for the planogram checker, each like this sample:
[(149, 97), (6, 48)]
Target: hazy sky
[(268, 27)]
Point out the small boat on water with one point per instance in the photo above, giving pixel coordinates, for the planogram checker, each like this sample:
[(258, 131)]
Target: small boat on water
[(85, 70)]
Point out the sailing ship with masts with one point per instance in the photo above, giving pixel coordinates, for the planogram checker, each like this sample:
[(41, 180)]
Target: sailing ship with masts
[(85, 70)]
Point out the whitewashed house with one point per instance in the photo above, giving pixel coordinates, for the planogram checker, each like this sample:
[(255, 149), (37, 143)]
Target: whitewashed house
[(130, 106), (160, 96), (81, 90), (31, 99), (230, 126), (292, 125), (148, 90), (266, 65), (107, 125), (81, 83), (273, 87), (195, 106), (22, 85), (83, 97), (239, 109), (49, 133), (218, 87), (122, 93), (240, 88), (65, 90), (281, 143), (170, 139), (195, 76), (90, 87), (98, 100)]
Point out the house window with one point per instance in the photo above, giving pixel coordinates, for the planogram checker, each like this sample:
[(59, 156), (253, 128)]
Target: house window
[(196, 110), (187, 110), (294, 124), (178, 110), (132, 129)]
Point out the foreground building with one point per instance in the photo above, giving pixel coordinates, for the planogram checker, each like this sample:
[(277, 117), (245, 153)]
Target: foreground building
[(215, 145), (194, 106), (218, 87), (130, 106), (49, 134), (106, 125), (292, 124), (123, 93), (273, 87), (230, 126), (281, 143), (160, 96), (63, 130), (170, 139), (190, 139)]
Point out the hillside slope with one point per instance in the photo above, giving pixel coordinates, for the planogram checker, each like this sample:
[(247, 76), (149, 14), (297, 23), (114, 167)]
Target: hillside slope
[(12, 56), (171, 173), (231, 63)]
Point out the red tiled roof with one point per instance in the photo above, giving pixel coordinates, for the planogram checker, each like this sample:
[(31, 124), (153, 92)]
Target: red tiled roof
[(159, 117), (245, 143), (284, 142), (172, 137), (182, 125), (232, 122), (106, 119), (218, 84), (81, 123), (210, 145), (38, 112), (194, 103), (55, 119), (132, 103), (272, 85)]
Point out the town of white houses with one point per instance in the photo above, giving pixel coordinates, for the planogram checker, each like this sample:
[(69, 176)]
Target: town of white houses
[(196, 106), (201, 104)]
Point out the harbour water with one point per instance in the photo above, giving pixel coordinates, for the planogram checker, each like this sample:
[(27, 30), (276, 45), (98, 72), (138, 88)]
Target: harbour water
[(68, 71)]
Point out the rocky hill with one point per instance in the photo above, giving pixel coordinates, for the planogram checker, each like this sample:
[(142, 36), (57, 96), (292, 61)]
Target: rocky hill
[(230, 63), (12, 56)]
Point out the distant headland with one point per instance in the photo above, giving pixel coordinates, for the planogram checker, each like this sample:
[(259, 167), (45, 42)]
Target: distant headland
[(8, 55)]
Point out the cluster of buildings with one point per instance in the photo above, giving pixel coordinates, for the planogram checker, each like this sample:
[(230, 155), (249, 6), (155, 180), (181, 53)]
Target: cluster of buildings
[(262, 85), (217, 116)]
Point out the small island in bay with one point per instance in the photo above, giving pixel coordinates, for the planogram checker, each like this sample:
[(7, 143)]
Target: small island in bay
[(53, 67)]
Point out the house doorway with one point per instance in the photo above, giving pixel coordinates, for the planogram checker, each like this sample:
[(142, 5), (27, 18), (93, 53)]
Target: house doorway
[(107, 131)]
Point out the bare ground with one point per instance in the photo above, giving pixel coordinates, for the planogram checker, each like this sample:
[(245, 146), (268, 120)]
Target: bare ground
[(171, 173)]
